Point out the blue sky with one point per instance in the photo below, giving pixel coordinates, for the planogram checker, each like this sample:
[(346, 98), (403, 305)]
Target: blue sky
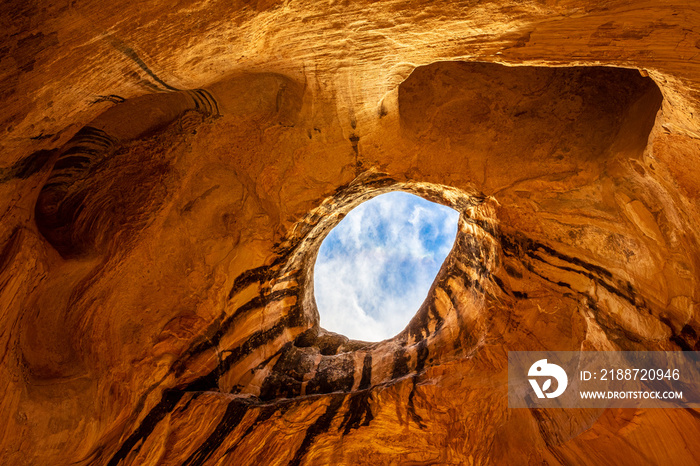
[(374, 269)]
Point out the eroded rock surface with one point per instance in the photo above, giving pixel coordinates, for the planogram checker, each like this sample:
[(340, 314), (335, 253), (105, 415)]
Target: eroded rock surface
[(170, 170)]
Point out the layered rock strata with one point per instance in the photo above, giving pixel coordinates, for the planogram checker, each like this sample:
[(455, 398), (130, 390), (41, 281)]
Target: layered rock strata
[(169, 173)]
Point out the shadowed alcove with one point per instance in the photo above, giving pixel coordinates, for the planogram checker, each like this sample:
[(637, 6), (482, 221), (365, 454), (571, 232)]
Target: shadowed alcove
[(166, 193)]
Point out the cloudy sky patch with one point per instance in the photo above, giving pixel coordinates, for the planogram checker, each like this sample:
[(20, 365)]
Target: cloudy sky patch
[(374, 269)]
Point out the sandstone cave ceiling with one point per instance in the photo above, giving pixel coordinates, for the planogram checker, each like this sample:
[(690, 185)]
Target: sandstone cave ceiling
[(169, 171)]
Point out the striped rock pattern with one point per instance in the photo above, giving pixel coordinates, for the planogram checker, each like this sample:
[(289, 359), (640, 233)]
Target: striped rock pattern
[(164, 196)]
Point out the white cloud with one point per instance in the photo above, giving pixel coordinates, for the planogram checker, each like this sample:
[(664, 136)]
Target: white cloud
[(375, 268)]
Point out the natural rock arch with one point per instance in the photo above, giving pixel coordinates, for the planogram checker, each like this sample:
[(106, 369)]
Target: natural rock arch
[(159, 299)]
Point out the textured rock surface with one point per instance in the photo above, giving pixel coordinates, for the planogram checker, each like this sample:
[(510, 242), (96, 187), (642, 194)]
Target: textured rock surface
[(169, 171)]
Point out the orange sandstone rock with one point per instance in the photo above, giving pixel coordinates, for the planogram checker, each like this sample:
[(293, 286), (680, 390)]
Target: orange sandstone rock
[(170, 170)]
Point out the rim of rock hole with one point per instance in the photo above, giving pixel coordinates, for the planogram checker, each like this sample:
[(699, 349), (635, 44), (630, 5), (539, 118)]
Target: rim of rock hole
[(375, 268)]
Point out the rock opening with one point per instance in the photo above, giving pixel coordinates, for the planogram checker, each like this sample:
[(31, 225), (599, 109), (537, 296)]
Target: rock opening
[(374, 269)]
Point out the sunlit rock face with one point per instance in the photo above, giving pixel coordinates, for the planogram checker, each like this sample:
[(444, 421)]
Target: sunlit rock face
[(169, 172)]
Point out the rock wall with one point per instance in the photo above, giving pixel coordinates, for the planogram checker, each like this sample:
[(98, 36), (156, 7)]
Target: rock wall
[(168, 172)]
